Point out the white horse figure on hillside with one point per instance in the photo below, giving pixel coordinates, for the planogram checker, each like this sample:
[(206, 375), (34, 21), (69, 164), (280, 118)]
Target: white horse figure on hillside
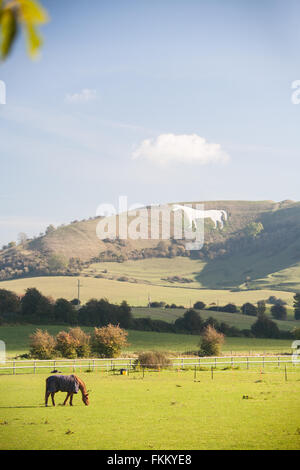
[(192, 215)]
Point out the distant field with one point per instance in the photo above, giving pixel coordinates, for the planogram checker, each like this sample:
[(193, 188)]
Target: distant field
[(137, 293), (166, 410), (17, 341), (233, 319), (264, 273)]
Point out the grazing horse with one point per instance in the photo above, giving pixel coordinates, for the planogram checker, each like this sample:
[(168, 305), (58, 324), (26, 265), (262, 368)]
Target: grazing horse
[(65, 383), (194, 214)]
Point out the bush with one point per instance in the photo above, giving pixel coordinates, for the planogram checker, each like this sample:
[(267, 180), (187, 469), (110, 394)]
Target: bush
[(297, 306), (211, 342), (249, 309), (108, 341), (42, 345), (191, 322), (229, 308), (65, 312), (82, 342), (279, 312), (265, 328), (66, 345), (9, 302), (199, 305), (153, 360)]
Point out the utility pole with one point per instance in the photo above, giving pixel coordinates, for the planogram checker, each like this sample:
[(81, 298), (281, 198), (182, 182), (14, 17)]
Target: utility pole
[(78, 291)]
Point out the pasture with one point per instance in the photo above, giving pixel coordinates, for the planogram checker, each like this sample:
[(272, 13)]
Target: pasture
[(17, 341), (238, 409), (136, 293)]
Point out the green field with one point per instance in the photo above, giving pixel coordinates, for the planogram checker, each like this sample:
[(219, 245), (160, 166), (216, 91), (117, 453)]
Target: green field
[(233, 319), (137, 294), (166, 410), (17, 341)]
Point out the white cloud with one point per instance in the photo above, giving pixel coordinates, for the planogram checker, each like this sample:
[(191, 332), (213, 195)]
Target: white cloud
[(171, 148), (83, 97)]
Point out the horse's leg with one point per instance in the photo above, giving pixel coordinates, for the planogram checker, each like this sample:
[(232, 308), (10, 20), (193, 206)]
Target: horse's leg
[(52, 397), (71, 399), (46, 398), (65, 402)]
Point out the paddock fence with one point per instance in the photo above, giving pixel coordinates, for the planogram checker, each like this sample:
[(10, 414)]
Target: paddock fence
[(130, 365)]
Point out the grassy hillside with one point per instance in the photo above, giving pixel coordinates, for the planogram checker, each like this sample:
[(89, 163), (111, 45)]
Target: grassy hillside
[(232, 258), (137, 294)]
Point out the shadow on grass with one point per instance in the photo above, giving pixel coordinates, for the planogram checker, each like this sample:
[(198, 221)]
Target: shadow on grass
[(22, 406)]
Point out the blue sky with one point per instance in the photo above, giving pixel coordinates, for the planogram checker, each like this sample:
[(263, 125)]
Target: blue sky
[(199, 92)]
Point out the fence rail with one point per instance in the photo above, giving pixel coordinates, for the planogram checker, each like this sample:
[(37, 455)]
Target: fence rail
[(130, 363)]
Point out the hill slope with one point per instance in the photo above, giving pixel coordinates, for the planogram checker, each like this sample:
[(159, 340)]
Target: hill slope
[(239, 256)]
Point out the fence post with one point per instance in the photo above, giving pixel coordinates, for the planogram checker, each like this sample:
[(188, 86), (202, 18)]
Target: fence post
[(212, 372), (14, 367), (285, 374), (34, 364), (263, 362), (247, 362)]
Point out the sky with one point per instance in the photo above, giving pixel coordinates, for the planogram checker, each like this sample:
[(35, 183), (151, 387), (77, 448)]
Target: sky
[(157, 100)]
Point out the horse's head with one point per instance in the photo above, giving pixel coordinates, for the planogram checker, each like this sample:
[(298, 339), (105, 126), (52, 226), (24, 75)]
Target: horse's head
[(85, 399)]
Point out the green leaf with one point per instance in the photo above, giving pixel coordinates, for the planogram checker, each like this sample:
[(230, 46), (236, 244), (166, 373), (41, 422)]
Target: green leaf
[(32, 12), (34, 40), (9, 29)]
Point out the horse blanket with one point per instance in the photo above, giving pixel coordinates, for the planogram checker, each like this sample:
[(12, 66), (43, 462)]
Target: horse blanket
[(62, 383)]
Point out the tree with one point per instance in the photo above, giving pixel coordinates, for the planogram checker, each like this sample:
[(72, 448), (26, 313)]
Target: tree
[(199, 305), (57, 263), (42, 345), (9, 302), (297, 306), (249, 309), (261, 307), (65, 312), (125, 315), (82, 341), (279, 312), (50, 229), (211, 342), (265, 328), (108, 341), (17, 14), (254, 229), (22, 238), (36, 307), (229, 308), (191, 321), (66, 345)]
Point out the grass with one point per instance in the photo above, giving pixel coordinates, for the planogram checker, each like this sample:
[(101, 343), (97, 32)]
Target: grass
[(17, 341), (166, 410), (138, 293), (238, 320)]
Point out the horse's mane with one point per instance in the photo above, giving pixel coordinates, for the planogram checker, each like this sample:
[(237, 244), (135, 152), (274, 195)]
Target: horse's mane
[(81, 384)]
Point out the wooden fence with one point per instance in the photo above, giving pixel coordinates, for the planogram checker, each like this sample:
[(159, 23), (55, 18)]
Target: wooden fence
[(129, 364)]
